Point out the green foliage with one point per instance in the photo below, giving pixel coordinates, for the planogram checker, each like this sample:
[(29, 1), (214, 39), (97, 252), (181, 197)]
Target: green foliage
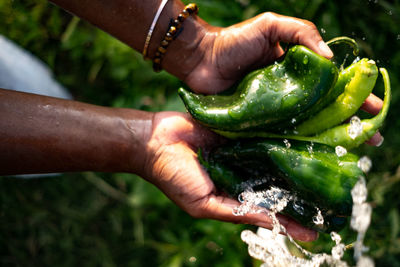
[(119, 219)]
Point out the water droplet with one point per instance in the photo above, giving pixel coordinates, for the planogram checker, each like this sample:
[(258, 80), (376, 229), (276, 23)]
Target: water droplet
[(398, 37), (298, 207), (310, 149), (355, 127), (305, 60), (323, 31), (340, 151), (365, 164), (390, 12), (335, 237), (287, 143), (318, 219), (236, 112), (356, 60)]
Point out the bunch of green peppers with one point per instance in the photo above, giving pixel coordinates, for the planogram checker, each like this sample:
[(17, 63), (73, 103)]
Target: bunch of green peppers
[(304, 99)]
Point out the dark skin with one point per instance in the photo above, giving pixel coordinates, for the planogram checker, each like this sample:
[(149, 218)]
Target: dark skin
[(53, 135)]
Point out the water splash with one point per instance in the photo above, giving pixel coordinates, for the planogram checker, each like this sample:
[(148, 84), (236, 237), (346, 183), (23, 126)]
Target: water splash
[(360, 220), (273, 251), (355, 128), (365, 164)]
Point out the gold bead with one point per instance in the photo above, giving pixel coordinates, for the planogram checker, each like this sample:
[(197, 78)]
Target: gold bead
[(164, 43), (192, 8), (168, 37), (184, 13), (162, 50), (175, 23), (181, 18), (172, 30)]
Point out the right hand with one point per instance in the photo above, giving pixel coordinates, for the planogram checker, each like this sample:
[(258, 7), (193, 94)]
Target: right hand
[(172, 166)]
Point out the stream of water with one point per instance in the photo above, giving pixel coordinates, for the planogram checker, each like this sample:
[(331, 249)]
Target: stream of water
[(270, 247)]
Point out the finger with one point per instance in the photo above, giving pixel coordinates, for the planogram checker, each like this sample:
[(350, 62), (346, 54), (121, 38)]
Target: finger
[(221, 208), (297, 31), (376, 140), (372, 104)]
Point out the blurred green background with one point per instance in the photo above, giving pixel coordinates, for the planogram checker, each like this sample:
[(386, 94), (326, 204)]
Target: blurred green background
[(98, 219)]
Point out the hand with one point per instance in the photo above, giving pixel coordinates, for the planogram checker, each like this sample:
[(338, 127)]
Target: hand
[(173, 167), (229, 53)]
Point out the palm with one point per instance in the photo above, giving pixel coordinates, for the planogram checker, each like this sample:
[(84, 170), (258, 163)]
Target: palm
[(174, 168)]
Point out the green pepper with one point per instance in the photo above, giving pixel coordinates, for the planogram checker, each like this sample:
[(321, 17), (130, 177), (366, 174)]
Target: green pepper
[(266, 97), (358, 80), (312, 172), (344, 78), (336, 136)]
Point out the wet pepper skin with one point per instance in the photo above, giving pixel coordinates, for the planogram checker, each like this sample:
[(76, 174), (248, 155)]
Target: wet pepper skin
[(269, 96), (313, 172)]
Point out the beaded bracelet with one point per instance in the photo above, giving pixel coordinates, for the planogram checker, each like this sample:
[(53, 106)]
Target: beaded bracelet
[(174, 29)]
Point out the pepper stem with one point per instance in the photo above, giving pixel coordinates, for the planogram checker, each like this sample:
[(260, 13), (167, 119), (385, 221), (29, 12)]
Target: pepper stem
[(346, 40)]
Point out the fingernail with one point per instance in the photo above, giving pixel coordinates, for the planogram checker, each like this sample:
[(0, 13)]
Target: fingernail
[(327, 52), (376, 140)]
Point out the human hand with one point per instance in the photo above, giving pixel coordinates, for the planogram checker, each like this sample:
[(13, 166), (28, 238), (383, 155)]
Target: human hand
[(229, 53), (173, 167)]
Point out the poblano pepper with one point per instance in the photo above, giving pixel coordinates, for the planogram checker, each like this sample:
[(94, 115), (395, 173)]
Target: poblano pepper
[(269, 96), (338, 135), (312, 172)]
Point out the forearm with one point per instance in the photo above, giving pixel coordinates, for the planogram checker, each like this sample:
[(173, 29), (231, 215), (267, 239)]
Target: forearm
[(130, 20), (41, 134)]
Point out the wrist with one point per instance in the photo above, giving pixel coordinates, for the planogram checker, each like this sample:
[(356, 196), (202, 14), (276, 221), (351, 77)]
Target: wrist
[(184, 52), (136, 127)]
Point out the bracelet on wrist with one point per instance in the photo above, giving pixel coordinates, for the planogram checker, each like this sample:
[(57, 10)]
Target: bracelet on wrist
[(152, 26), (174, 29)]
